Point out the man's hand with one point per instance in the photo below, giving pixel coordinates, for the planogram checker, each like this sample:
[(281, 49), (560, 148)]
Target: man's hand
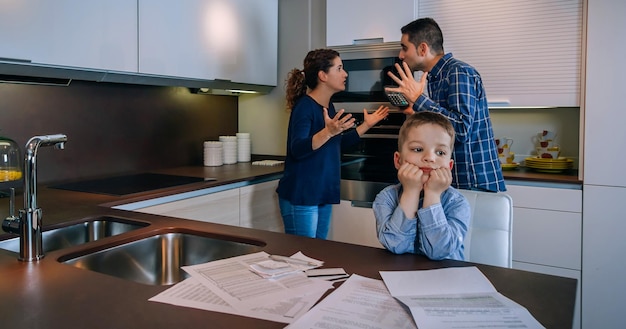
[(407, 85)]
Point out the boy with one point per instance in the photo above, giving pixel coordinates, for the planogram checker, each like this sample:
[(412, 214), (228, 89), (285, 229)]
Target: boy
[(423, 214)]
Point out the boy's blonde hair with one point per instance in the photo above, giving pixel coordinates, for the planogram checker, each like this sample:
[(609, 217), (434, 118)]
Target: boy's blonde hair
[(419, 118)]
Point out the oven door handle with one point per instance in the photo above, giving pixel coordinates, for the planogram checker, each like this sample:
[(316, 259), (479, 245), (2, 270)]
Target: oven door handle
[(362, 204)]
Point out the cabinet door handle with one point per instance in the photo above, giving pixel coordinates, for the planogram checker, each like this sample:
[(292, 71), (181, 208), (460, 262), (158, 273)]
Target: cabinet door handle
[(367, 41)]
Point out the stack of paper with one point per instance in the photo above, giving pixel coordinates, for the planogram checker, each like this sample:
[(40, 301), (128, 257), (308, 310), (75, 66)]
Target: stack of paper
[(229, 286), (444, 298), (358, 303), (277, 266), (271, 269), (269, 163)]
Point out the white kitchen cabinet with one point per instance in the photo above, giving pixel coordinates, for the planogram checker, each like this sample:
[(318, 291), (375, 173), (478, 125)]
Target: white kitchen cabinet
[(350, 20), (603, 285), (356, 225), (498, 38), (234, 40), (258, 207), (219, 207), (605, 135), (547, 233), (85, 34), (547, 226), (254, 205)]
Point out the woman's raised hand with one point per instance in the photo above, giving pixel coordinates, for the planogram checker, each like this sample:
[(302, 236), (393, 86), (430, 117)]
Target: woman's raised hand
[(376, 116), (338, 124)]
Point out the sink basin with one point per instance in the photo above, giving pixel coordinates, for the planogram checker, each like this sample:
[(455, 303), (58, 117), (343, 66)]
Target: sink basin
[(157, 259), (78, 233)]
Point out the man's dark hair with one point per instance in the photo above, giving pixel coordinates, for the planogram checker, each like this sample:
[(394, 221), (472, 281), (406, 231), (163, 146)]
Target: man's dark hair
[(425, 30)]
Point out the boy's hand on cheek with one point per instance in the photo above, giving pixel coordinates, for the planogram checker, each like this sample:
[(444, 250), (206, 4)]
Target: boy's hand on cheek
[(411, 176), (439, 180)]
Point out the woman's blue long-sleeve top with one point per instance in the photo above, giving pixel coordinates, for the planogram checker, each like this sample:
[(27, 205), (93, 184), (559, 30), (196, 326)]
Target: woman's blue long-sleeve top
[(437, 232), (312, 177)]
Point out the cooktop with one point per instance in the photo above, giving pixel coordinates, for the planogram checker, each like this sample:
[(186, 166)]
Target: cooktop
[(129, 184)]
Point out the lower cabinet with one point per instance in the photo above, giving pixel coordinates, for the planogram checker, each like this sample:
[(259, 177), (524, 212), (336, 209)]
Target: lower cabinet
[(547, 233), (254, 206), (354, 224), (258, 207), (219, 207)]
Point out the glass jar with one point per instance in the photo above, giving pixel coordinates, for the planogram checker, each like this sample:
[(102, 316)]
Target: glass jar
[(10, 164)]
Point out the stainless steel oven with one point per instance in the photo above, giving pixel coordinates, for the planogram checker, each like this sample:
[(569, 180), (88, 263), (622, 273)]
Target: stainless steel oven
[(367, 67), (368, 166)]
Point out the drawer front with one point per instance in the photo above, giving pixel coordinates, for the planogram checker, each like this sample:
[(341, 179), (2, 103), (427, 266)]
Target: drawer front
[(549, 238), (546, 198)]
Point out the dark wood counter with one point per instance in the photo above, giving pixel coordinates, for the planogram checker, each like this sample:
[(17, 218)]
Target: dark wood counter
[(61, 205), (48, 294), (528, 175), (53, 295)]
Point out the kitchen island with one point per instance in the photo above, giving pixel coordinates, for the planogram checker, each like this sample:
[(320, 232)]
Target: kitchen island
[(49, 294)]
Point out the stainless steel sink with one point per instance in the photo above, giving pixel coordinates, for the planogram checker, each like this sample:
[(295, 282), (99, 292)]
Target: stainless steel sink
[(157, 259), (79, 233)]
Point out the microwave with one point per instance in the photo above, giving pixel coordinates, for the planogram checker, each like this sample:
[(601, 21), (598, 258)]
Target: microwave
[(367, 67)]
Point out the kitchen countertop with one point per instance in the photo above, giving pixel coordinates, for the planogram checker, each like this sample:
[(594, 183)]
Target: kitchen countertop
[(529, 175), (62, 205), (50, 294)]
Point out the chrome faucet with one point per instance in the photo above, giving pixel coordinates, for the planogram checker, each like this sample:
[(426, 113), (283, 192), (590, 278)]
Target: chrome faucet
[(28, 223)]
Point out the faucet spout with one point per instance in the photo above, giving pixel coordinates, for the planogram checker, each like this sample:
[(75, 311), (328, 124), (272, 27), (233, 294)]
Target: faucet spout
[(28, 222), (30, 165)]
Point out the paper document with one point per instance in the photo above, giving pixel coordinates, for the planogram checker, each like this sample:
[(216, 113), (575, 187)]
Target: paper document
[(191, 293), (358, 303), (457, 297), (232, 280), (277, 266)]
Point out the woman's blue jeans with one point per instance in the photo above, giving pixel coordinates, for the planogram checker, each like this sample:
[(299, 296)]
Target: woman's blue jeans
[(310, 221)]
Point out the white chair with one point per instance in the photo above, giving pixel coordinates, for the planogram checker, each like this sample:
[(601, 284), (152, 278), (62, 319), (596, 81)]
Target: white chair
[(489, 237)]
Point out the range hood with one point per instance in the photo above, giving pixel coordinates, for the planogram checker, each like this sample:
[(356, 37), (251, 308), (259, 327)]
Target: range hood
[(31, 73)]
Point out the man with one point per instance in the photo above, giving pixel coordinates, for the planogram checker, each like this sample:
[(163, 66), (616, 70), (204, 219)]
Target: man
[(455, 89)]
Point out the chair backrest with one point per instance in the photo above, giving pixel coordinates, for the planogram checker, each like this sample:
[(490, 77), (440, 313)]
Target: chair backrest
[(489, 237)]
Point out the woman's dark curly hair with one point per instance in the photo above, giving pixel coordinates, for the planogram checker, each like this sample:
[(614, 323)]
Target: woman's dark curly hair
[(298, 80)]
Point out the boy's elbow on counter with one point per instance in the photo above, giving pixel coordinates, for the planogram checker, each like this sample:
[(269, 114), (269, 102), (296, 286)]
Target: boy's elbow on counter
[(395, 247), (440, 254)]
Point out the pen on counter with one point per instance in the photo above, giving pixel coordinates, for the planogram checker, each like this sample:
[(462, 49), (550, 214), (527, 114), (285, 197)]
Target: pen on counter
[(294, 261)]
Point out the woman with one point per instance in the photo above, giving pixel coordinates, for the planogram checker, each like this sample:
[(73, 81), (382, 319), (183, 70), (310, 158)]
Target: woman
[(316, 133)]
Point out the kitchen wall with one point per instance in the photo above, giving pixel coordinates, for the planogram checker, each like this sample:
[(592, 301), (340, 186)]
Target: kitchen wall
[(114, 128), (522, 124), (301, 27)]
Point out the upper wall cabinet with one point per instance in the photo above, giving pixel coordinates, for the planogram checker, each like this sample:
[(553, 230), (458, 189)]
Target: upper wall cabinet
[(352, 21), (234, 40), (97, 34), (527, 52)]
